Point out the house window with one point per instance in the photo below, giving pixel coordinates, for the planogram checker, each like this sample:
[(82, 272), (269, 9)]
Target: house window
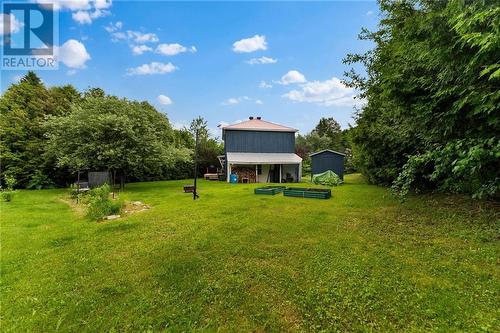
[(259, 169)]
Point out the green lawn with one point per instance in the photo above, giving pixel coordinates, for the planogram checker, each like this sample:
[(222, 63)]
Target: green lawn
[(235, 261)]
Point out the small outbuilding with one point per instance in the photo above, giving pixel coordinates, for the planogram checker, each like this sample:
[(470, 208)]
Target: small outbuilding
[(327, 159)]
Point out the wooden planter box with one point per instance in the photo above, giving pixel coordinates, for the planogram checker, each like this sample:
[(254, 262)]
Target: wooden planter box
[(316, 193), (269, 190)]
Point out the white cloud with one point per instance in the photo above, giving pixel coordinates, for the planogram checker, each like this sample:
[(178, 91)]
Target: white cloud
[(84, 11), (140, 49), (141, 38), (240, 99), (265, 85), (86, 17), (235, 100), (231, 101), (118, 35), (73, 54), (82, 17), (15, 25), (75, 5), (255, 43), (138, 39), (173, 49), (99, 13), (152, 68), (71, 72), (112, 27), (164, 100), (102, 4), (262, 60), (67, 4), (131, 36), (292, 76), (327, 93), (369, 13)]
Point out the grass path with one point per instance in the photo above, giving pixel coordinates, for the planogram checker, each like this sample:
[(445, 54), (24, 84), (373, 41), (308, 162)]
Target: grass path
[(235, 261)]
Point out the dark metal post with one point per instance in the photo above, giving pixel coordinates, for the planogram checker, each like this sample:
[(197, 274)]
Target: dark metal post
[(195, 193), (113, 181), (78, 187)]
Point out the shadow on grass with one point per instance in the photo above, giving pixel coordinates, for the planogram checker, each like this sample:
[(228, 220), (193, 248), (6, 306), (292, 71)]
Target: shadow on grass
[(61, 241), (118, 227)]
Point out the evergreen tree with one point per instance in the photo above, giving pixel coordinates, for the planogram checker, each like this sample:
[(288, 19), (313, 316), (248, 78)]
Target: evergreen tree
[(433, 92), (24, 108)]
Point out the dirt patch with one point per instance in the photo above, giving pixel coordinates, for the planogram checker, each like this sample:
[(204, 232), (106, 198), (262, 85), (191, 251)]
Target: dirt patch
[(135, 207), (79, 208), (130, 207)]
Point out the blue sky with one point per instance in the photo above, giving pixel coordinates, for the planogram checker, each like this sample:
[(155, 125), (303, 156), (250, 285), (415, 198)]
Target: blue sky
[(224, 61)]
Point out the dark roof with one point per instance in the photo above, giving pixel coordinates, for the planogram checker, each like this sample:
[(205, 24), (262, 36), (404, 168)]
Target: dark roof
[(259, 125), (327, 150)]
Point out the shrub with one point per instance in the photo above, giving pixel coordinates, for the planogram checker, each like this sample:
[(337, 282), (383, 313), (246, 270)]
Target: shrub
[(115, 207), (460, 166), (100, 204), (306, 166), (39, 180), (7, 195), (10, 182)]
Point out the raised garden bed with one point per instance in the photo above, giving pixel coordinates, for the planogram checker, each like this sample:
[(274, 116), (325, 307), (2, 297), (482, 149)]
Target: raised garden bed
[(269, 190), (317, 193)]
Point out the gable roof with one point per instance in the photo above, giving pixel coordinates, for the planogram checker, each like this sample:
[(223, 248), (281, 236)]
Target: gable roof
[(259, 125), (327, 150)]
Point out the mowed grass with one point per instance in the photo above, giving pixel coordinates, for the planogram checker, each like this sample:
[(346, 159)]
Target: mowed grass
[(235, 261)]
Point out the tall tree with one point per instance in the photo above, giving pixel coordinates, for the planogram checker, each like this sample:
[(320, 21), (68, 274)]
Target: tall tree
[(330, 128), (326, 135), (433, 92), (107, 133), (200, 125), (208, 147), (24, 108)]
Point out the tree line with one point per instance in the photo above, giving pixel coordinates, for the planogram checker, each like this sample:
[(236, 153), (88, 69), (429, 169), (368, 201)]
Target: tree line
[(431, 119), (48, 135), (432, 86)]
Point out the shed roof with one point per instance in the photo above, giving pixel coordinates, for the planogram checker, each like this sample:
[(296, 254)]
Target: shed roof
[(263, 158), (327, 150), (258, 125)]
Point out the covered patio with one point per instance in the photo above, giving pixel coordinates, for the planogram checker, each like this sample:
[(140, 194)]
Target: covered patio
[(264, 167)]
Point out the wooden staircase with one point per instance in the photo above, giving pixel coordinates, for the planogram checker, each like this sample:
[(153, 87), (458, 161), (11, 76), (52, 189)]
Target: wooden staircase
[(222, 161)]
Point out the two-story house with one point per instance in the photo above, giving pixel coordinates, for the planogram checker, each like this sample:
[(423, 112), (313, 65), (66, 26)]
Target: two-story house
[(260, 151)]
